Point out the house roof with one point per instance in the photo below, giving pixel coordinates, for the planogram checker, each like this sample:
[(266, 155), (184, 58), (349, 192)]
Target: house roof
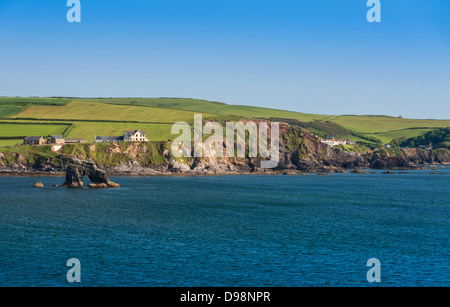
[(72, 139), (33, 138), (133, 132), (57, 137), (98, 137)]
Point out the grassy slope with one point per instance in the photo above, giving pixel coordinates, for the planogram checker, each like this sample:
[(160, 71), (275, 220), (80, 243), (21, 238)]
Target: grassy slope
[(8, 110), (203, 106), (21, 101), (84, 110), (11, 129), (158, 114), (88, 130), (376, 124), (387, 137)]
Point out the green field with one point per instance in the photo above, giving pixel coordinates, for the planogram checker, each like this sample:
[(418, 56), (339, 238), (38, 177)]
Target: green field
[(12, 129), (88, 117), (386, 137), (33, 100), (88, 130), (9, 110), (11, 142), (84, 110), (374, 124), (203, 106)]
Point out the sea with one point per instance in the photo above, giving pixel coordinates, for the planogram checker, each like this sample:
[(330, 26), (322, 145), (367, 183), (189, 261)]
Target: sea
[(229, 231)]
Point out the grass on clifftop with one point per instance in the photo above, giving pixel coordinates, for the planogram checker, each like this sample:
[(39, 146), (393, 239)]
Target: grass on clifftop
[(13, 129), (211, 107), (376, 124), (112, 116), (84, 110)]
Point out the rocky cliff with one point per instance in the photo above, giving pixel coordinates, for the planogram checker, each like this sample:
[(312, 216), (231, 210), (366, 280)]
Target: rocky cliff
[(299, 150)]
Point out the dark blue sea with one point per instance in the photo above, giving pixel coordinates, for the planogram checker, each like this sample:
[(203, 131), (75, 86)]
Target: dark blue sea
[(229, 231)]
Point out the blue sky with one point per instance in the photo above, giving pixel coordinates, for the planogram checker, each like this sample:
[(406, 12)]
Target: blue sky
[(303, 55)]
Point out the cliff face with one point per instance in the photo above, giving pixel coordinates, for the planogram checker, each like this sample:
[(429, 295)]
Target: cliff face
[(405, 157), (299, 150)]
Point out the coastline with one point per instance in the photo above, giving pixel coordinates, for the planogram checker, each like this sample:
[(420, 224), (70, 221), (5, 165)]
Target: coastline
[(285, 172)]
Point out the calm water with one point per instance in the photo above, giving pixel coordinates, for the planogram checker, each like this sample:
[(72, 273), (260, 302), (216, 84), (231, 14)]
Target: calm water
[(229, 231)]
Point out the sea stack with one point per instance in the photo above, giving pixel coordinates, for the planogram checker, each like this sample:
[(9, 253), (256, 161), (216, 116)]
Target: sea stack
[(77, 169)]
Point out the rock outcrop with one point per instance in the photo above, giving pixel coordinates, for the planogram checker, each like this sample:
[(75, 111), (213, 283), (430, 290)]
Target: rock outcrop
[(77, 169), (38, 184), (299, 151)]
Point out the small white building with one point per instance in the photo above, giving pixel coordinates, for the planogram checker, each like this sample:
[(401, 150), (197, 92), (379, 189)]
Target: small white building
[(334, 142), (128, 136), (135, 136), (56, 148)]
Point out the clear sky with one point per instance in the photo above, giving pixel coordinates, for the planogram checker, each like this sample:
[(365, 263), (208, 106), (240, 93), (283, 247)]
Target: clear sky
[(318, 56)]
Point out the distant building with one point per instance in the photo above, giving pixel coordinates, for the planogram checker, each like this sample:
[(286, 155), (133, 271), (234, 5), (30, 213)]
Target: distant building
[(55, 139), (108, 139), (350, 142), (333, 142), (134, 136), (75, 141), (128, 136), (56, 148), (34, 140)]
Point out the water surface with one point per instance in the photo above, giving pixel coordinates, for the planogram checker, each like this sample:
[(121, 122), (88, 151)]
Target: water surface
[(229, 231)]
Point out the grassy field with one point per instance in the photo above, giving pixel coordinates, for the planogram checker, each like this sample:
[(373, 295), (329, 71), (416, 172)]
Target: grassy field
[(33, 100), (386, 137), (88, 130), (12, 142), (9, 110), (84, 110), (374, 124), (203, 106), (112, 116), (12, 129)]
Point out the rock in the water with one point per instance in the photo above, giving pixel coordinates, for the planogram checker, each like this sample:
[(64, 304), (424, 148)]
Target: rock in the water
[(359, 171), (113, 185), (38, 184), (104, 185), (77, 169)]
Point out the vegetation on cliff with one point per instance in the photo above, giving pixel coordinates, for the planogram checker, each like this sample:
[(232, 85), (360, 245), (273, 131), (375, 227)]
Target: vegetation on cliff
[(439, 138), (88, 117)]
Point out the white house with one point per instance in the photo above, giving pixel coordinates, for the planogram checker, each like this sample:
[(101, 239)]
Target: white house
[(134, 136), (334, 142)]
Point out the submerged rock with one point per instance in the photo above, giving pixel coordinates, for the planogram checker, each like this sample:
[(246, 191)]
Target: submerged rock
[(359, 171)]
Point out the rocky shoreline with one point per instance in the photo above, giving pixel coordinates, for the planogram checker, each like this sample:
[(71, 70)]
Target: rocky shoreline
[(300, 152), (152, 173)]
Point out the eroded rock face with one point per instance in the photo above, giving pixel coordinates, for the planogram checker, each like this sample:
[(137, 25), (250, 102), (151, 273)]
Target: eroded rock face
[(77, 169)]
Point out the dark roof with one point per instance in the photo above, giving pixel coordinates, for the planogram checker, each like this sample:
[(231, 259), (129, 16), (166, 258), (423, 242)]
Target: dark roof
[(33, 138), (109, 138), (132, 132), (57, 137), (72, 139)]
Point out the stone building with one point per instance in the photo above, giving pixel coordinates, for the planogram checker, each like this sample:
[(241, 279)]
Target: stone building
[(55, 139), (33, 140)]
